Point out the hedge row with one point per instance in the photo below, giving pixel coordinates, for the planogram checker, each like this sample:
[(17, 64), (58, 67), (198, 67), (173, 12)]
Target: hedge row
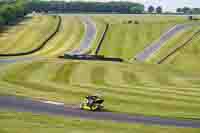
[(10, 12)]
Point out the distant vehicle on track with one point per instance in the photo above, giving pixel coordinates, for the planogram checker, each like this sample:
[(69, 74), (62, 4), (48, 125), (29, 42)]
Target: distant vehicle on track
[(90, 57)]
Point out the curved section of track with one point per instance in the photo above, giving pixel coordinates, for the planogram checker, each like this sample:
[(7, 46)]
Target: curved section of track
[(54, 108), (155, 46), (90, 34)]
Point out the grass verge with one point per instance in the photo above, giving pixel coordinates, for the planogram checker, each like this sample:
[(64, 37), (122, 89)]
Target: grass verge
[(139, 88), (26, 122), (172, 43), (29, 36), (125, 39), (67, 38), (187, 58)]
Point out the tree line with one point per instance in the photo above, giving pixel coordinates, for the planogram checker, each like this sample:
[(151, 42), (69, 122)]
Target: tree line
[(152, 9), (11, 11), (187, 10), (86, 7)]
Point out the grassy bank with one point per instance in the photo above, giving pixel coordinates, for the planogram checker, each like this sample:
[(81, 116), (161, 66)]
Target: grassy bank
[(27, 122), (146, 89), (187, 59), (173, 43), (125, 39), (27, 35), (68, 37), (139, 88)]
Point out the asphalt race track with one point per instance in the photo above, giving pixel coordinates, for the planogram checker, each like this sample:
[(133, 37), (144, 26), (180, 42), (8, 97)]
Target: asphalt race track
[(155, 46), (86, 42), (53, 108), (90, 34)]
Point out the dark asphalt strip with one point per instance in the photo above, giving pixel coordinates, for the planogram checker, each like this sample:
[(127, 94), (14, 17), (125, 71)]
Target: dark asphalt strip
[(38, 107)]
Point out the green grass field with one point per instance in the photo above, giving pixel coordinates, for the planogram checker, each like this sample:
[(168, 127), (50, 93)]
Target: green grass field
[(187, 59), (172, 43), (68, 38), (120, 19), (27, 35), (169, 90), (12, 122), (165, 91), (126, 40)]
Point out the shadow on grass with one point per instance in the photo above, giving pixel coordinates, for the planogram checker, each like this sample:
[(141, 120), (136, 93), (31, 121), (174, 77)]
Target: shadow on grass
[(4, 28)]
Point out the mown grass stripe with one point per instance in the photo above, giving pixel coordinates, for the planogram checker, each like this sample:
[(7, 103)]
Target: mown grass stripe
[(63, 75), (16, 51), (135, 98), (98, 74), (14, 33), (65, 40)]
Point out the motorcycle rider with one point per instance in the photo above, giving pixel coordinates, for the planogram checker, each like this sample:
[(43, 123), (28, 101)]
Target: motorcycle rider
[(91, 100)]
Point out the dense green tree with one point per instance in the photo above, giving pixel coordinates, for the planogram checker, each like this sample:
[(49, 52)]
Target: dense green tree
[(196, 11), (137, 9), (1, 21), (159, 10), (179, 10), (11, 10), (78, 6), (186, 10), (151, 9)]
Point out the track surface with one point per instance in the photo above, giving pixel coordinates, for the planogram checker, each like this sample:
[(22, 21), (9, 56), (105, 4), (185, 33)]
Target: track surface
[(90, 34), (42, 107), (155, 46), (53, 108)]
